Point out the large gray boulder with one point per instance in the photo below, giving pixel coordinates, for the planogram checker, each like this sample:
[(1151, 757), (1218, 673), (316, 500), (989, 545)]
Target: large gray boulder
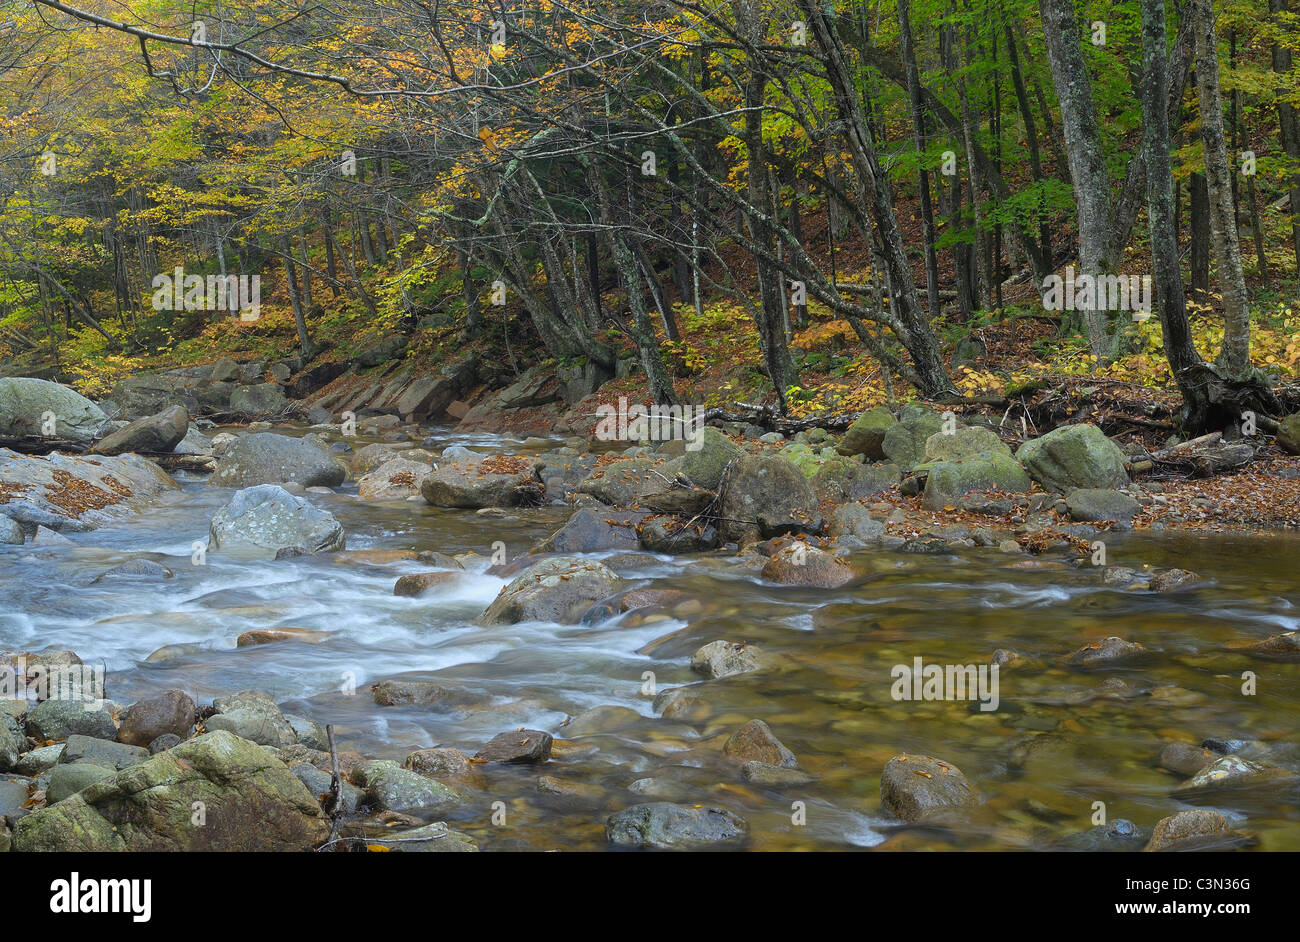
[(841, 479), (156, 433), (558, 589), (866, 436), (623, 483), (59, 719), (767, 495), (262, 399), (25, 402), (589, 531), (393, 788), (74, 493), (268, 518), (704, 465), (252, 715), (904, 443), (394, 480), (668, 826), (11, 534), (1288, 433), (963, 442), (1074, 456), (947, 481), (194, 443), (267, 458), (497, 481), (214, 793)]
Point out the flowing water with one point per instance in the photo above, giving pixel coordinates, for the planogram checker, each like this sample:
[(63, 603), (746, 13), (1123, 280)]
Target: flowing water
[(1058, 742)]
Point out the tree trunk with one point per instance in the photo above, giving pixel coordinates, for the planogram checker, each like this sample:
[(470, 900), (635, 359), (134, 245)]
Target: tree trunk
[(1198, 197), (295, 300), (1289, 127), (1234, 358), (1092, 187), (908, 51), (931, 374), (1184, 361)]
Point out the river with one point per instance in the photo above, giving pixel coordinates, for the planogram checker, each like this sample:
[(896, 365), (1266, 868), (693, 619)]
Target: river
[(1058, 743)]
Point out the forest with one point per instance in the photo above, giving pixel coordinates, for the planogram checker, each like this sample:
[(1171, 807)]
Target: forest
[(868, 185), (651, 425)]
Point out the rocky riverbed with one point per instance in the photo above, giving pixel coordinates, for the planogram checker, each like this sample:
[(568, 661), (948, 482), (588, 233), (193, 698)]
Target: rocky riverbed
[(552, 643)]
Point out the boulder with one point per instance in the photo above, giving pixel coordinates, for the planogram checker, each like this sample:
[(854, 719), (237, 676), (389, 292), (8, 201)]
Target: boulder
[(866, 436), (71, 493), (1107, 652), (589, 531), (11, 534), (769, 495), (115, 755), (26, 403), (856, 521), (517, 746), (622, 483), (725, 658), (558, 589), (194, 443), (799, 564), (144, 570), (389, 348), (947, 481), (1074, 456), (963, 442), (496, 481), (704, 466), (1198, 829), (226, 370), (841, 480), (393, 788), (394, 480), (59, 719), (268, 518), (252, 715), (408, 693), (756, 742), (415, 584), (262, 399), (10, 749), (156, 433), (1098, 504), (267, 458), (915, 787), (1288, 433), (666, 533), (67, 780), (904, 443), (668, 826), (438, 763), (249, 801), (172, 711)]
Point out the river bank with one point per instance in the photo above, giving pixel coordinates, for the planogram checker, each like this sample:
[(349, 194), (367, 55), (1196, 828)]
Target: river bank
[(545, 588)]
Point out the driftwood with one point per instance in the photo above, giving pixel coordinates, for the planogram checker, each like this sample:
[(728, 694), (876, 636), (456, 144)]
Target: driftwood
[(41, 445), (1202, 456), (334, 803)]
